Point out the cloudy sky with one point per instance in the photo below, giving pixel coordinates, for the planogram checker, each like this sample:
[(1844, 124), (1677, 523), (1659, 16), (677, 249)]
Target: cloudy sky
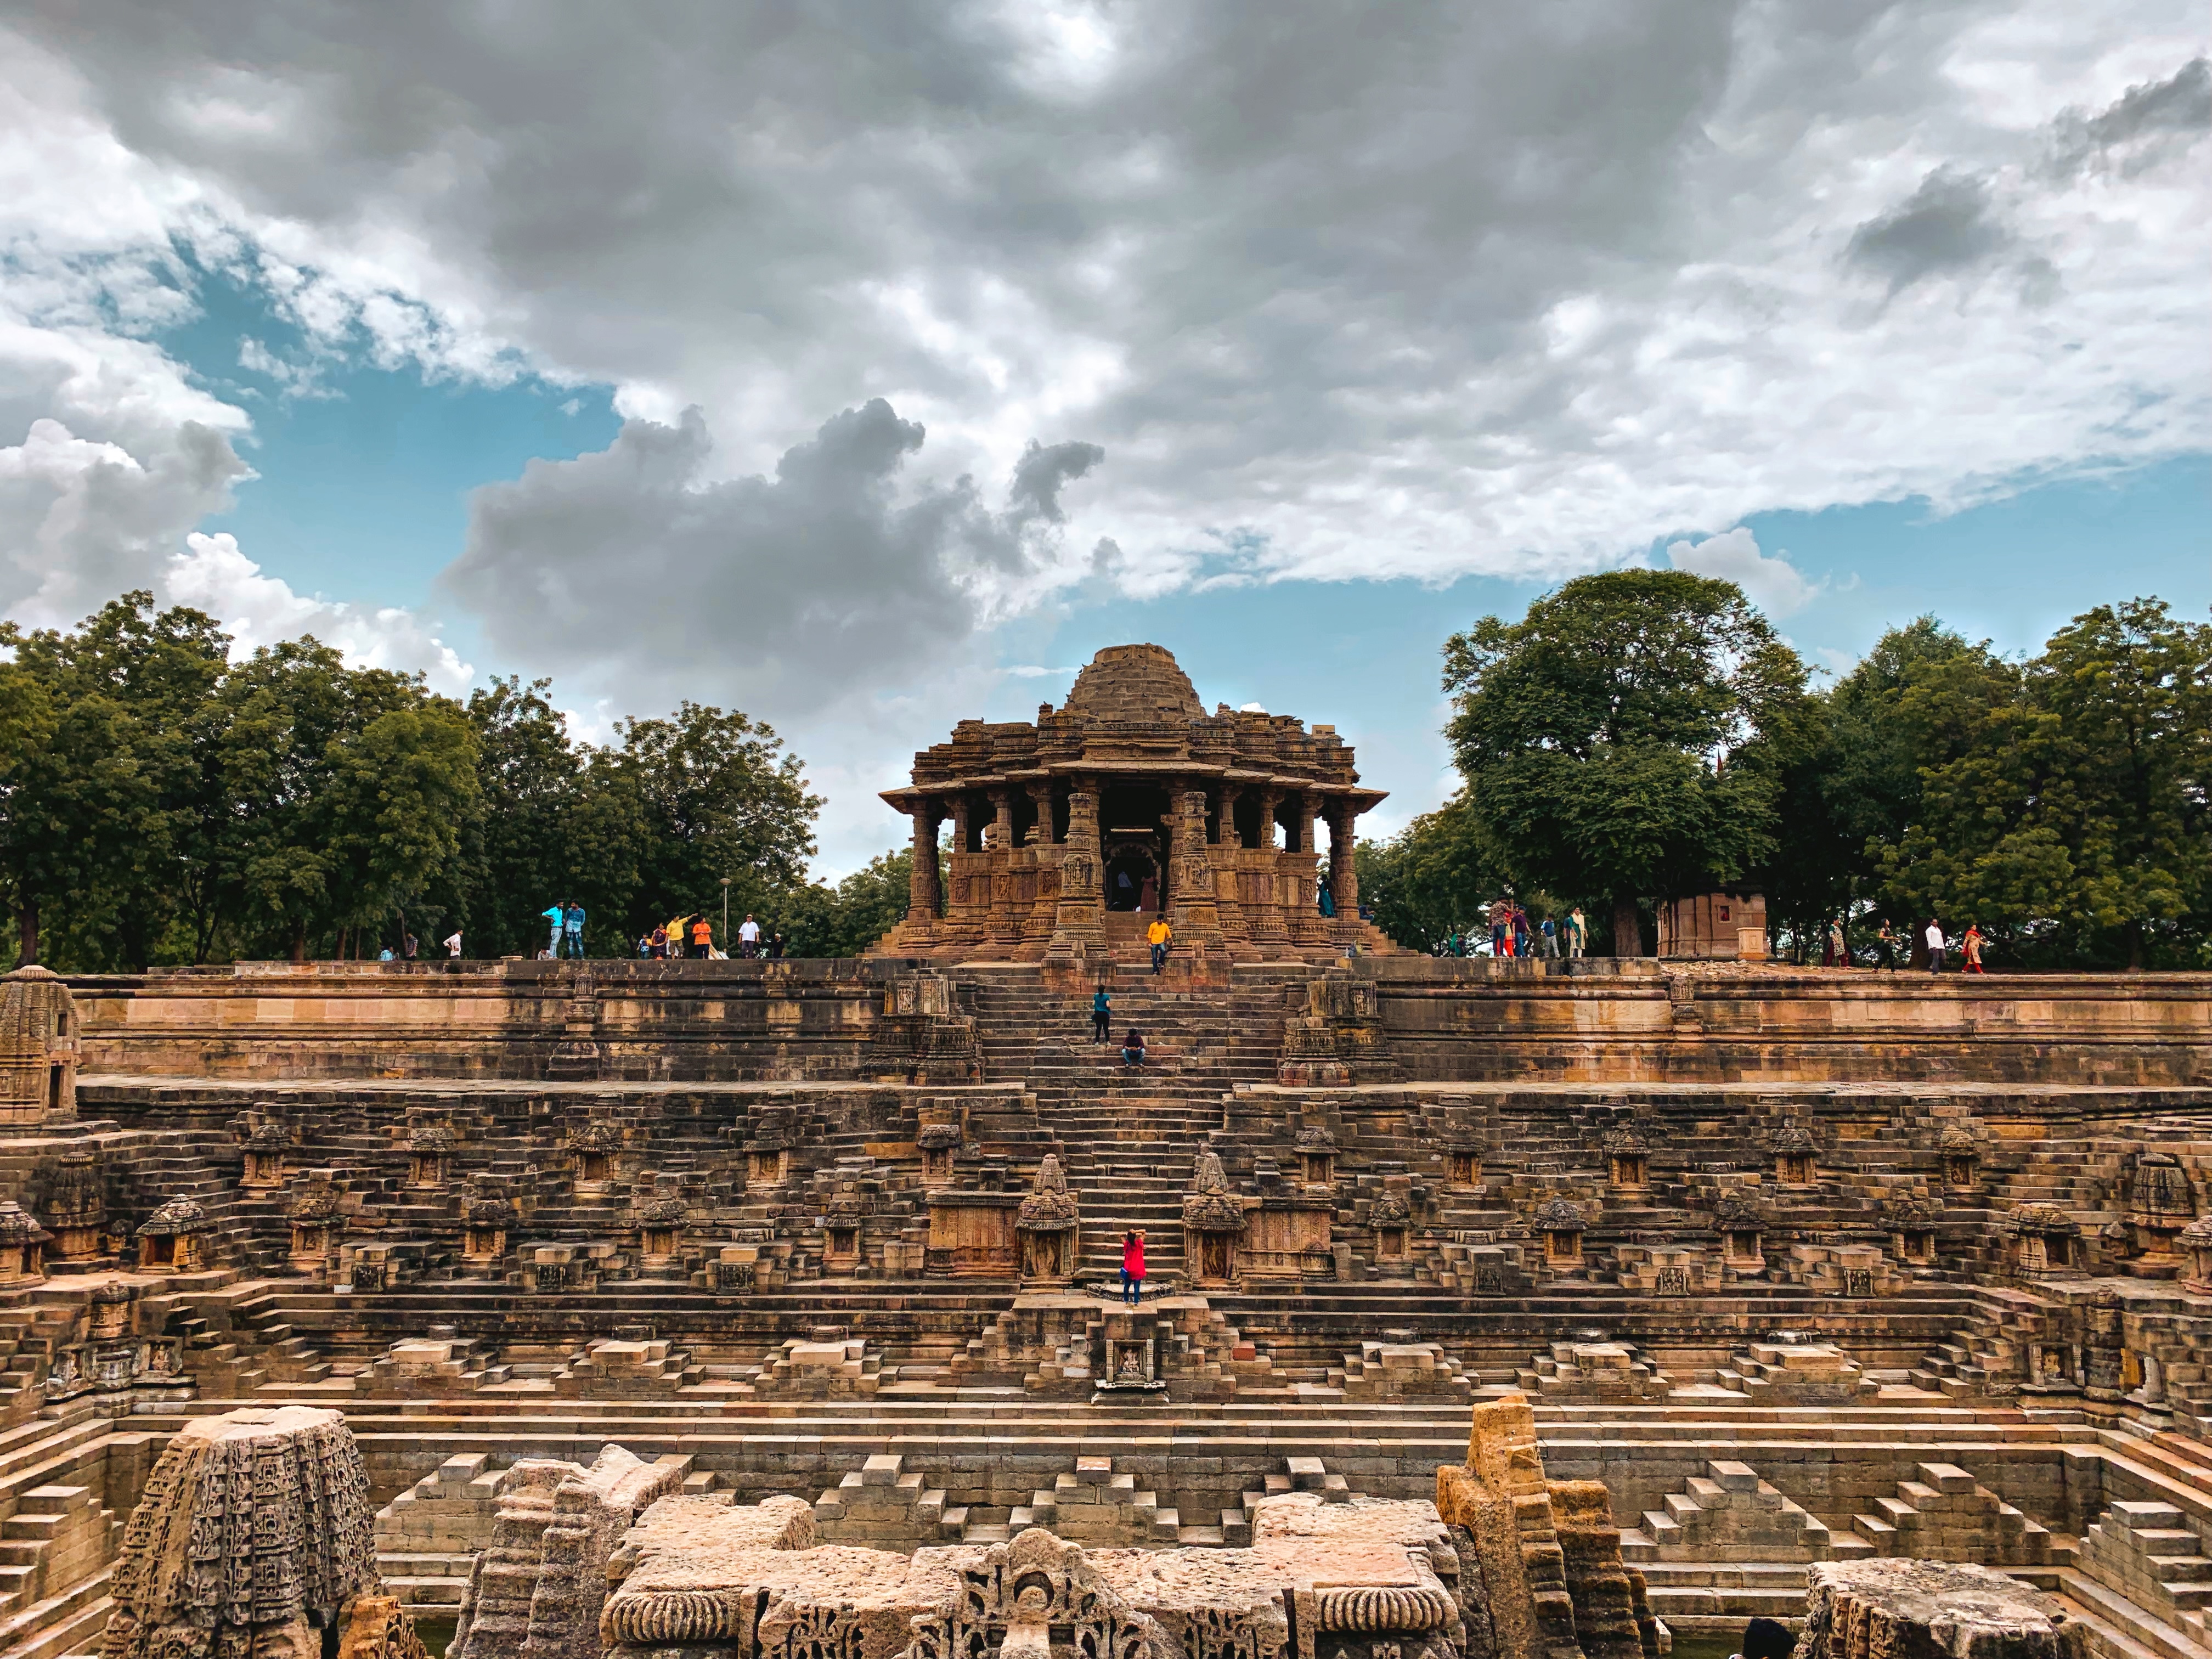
[(868, 365)]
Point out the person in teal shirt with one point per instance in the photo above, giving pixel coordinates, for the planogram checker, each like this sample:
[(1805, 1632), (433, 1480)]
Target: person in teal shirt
[(1102, 1024)]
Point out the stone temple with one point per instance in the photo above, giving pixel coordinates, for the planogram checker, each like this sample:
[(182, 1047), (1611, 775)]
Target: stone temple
[(678, 1310)]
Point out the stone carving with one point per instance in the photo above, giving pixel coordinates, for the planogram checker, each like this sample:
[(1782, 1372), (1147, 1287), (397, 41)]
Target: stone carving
[(2196, 1243), (253, 1536), (76, 1207), (537, 1591), (1561, 1224), (266, 1141), (1011, 1600), (1882, 1609), (1213, 1219), (38, 1047), (2044, 1238), (430, 1150), (23, 1246), (2161, 1203), (314, 1213), (920, 1037), (175, 1238), (1048, 1222)]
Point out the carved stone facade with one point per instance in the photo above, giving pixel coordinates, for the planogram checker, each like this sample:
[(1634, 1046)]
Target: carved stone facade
[(254, 1538), (38, 1048), (1128, 803)]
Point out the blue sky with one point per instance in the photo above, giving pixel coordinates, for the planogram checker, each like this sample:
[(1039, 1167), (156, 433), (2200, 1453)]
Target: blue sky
[(364, 494), (873, 371)]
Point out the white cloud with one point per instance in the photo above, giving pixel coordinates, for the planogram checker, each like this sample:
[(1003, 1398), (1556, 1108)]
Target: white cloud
[(1775, 585), (211, 575)]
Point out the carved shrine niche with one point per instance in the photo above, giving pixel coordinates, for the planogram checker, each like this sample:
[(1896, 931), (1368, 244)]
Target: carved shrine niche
[(174, 1238), (1628, 1159)]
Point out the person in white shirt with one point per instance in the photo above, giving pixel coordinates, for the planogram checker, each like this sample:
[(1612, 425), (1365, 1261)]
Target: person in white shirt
[(453, 943), (749, 937), (1934, 937)]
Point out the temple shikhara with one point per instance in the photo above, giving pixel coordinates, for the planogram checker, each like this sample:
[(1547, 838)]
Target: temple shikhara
[(1126, 803), (775, 1310)]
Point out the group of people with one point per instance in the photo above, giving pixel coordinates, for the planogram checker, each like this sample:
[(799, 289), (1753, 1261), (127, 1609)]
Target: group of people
[(688, 935), (1101, 1030), (566, 921), (1835, 949), (1514, 932)]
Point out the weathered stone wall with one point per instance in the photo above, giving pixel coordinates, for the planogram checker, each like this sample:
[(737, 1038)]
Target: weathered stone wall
[(1635, 1022), (1439, 1021)]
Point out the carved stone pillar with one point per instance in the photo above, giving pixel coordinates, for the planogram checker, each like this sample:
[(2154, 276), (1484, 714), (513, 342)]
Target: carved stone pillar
[(1344, 867), (924, 885), (1076, 914), (1042, 877), (1267, 916), (1006, 920), (1228, 860), (1307, 925), (1191, 910)]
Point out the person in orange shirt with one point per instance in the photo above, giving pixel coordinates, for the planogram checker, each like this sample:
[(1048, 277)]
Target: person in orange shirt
[(703, 938)]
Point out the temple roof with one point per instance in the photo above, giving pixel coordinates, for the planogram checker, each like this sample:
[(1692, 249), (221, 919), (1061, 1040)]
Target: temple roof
[(1133, 714), (1134, 682)]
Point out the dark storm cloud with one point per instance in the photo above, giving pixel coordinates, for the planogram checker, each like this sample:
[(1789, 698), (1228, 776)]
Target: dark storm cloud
[(2142, 128), (1948, 226), (633, 563)]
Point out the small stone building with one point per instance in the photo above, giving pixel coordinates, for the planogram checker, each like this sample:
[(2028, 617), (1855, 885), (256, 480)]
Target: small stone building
[(38, 1047), (1728, 925)]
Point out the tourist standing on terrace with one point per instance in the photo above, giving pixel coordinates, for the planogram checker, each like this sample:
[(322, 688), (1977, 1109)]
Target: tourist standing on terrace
[(1577, 933), (1971, 948), (453, 943), (1133, 1268), (1838, 953), (1886, 942), (554, 916), (1934, 937), (748, 936), (1159, 933), (702, 939), (1102, 1024), (572, 932)]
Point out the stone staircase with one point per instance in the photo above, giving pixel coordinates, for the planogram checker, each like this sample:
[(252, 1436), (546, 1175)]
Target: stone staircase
[(1729, 1515), (886, 1504), (2149, 1554), (1946, 1515)]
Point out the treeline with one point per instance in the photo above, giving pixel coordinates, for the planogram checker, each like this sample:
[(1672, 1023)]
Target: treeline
[(1644, 733), (160, 803)]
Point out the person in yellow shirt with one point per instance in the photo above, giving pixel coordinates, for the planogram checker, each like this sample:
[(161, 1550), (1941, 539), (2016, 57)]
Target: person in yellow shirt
[(1159, 933)]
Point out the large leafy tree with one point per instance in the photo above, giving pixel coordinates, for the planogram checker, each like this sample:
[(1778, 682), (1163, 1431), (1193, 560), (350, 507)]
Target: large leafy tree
[(1623, 739), (2064, 802), (713, 794), (1434, 876), (331, 796), (822, 921), (1857, 787), (98, 774)]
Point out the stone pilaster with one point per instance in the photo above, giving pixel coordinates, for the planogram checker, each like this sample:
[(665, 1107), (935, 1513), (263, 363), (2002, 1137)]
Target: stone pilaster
[(1191, 910)]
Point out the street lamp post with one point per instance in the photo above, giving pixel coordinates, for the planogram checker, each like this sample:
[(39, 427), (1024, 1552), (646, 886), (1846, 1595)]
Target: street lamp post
[(726, 914)]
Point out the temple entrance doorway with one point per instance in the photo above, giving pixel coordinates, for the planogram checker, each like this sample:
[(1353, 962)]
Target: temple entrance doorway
[(1134, 879)]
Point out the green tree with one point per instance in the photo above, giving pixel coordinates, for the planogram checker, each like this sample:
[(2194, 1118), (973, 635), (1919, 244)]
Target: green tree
[(331, 796), (1623, 739), (713, 794), (2064, 802), (1434, 876), (97, 788), (1857, 787), (821, 920)]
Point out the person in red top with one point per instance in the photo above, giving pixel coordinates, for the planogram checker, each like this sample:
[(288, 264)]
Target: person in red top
[(1133, 1268)]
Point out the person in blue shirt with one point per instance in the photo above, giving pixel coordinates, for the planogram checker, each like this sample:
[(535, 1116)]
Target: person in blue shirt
[(572, 931), (1101, 1021), (554, 915)]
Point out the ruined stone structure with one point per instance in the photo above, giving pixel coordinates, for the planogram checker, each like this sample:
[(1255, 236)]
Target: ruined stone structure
[(690, 1306), (1126, 803)]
